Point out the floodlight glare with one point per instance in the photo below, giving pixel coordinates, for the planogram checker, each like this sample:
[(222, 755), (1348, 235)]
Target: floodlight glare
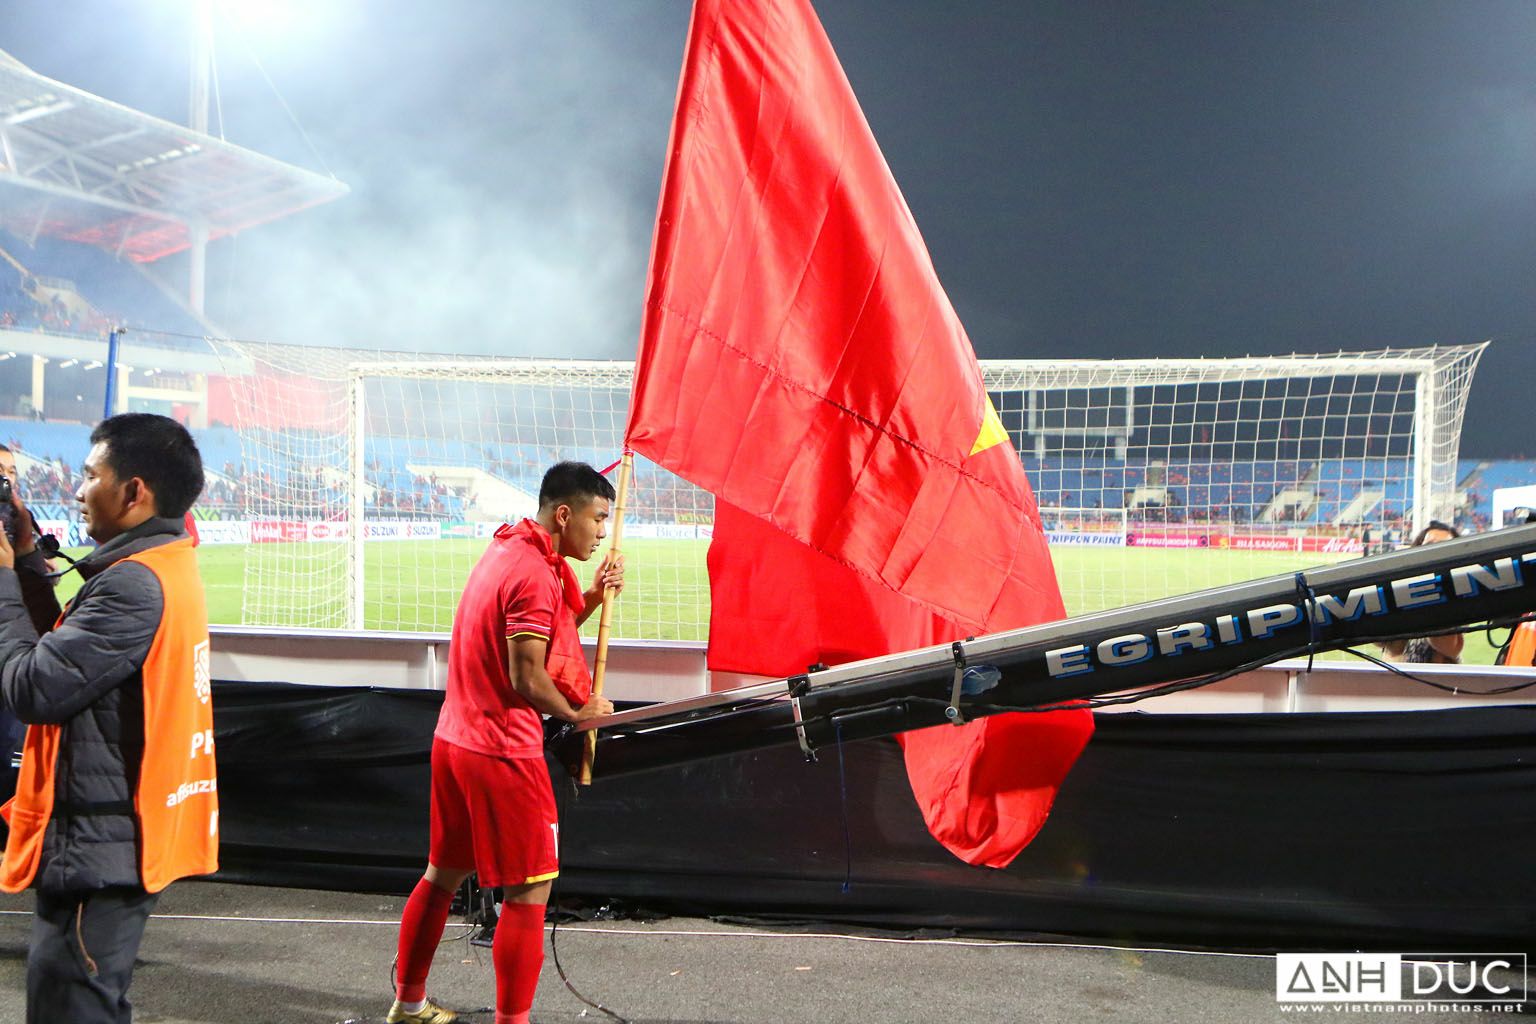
[(275, 18)]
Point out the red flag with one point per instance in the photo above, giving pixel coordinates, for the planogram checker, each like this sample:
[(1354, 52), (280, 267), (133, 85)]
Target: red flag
[(800, 360), (781, 606)]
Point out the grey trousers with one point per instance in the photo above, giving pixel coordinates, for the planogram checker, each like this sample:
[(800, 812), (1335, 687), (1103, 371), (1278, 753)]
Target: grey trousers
[(80, 963)]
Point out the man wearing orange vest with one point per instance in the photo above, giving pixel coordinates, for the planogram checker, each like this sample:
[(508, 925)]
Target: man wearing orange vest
[(117, 796), (1520, 648), (514, 656)]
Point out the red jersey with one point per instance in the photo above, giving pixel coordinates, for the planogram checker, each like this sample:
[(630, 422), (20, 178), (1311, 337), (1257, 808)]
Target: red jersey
[(519, 586)]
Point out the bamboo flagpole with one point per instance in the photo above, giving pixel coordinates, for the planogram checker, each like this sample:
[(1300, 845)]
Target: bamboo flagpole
[(605, 622)]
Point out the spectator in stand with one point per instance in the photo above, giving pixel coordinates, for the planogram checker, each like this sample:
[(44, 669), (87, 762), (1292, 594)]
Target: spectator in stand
[(1429, 650)]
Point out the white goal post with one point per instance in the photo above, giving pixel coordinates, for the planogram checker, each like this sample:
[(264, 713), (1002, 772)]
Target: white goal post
[(382, 475)]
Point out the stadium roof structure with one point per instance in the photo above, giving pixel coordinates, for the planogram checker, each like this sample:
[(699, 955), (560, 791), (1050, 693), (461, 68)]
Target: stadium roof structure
[(140, 352), (81, 168)]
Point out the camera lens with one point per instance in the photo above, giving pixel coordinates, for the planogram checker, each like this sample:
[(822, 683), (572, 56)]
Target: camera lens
[(7, 510)]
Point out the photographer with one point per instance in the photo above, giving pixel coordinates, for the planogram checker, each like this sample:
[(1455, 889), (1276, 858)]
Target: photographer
[(12, 511), (117, 794), (1428, 650), (11, 727)]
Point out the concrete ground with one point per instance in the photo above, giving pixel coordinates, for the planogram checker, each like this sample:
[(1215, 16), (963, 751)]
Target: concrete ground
[(222, 954)]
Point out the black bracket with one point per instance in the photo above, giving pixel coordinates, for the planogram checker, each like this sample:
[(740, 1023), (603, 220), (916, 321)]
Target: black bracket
[(953, 712), (798, 686)]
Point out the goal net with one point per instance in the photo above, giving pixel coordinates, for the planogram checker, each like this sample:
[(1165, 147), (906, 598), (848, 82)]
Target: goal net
[(373, 483), (1227, 469), (370, 483)]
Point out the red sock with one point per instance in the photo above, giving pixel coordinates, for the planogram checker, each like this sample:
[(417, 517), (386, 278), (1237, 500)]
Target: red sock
[(421, 929), (518, 953)]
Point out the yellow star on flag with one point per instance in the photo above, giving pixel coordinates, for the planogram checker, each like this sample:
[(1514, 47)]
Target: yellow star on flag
[(992, 432)]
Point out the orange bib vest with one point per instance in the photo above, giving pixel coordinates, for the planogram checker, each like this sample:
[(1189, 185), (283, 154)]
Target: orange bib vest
[(176, 802), (1522, 645)]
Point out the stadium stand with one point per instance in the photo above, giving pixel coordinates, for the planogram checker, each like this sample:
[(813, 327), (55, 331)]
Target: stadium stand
[(402, 481), (66, 288), (1479, 479)]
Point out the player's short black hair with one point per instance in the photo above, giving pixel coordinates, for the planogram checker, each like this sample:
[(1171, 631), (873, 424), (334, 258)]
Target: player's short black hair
[(160, 452), (1435, 524), (574, 484)]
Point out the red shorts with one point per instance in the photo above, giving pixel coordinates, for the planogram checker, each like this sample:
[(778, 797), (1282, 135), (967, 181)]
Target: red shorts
[(494, 814)]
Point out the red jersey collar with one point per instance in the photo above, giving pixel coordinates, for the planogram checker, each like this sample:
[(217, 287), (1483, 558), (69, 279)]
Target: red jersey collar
[(539, 538)]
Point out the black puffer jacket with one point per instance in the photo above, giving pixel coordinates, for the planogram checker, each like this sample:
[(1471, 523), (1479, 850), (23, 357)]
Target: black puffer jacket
[(86, 675)]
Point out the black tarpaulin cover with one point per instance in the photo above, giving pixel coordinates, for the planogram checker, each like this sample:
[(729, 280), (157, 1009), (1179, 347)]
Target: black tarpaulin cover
[(1392, 830)]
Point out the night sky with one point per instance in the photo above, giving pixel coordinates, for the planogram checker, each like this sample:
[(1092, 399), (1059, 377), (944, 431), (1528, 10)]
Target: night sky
[(1093, 179)]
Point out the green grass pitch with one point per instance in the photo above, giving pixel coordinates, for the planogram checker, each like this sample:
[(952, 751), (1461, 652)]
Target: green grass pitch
[(412, 585)]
